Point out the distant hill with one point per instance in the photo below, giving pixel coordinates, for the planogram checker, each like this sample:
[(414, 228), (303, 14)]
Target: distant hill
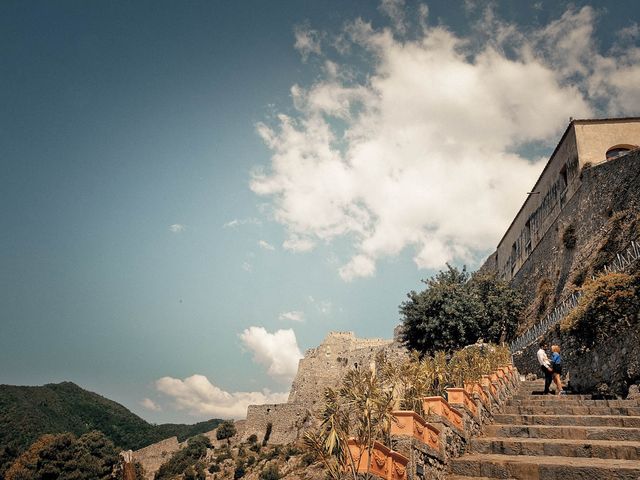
[(28, 412)]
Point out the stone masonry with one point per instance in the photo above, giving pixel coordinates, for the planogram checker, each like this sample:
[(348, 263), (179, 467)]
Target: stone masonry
[(322, 367)]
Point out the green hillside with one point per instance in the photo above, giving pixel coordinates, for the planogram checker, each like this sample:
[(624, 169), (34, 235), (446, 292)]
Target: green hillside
[(28, 412)]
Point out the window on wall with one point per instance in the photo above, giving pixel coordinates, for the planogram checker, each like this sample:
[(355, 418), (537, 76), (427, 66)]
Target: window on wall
[(563, 182), (619, 150)]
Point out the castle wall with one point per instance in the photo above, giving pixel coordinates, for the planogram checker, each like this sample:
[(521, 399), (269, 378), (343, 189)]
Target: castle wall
[(555, 186), (288, 421), (153, 456), (584, 142), (606, 190), (322, 367)]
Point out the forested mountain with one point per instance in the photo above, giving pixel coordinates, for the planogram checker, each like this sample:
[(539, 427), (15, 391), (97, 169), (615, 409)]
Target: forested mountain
[(26, 413)]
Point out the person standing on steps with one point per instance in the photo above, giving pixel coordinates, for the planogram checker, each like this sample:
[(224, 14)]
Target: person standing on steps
[(545, 366), (556, 365)]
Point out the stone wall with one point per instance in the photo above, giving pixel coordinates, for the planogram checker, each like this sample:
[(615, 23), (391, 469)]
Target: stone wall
[(609, 368), (288, 421), (153, 456), (604, 214), (606, 190)]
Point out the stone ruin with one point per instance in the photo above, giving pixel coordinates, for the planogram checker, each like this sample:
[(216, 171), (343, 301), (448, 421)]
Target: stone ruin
[(321, 367)]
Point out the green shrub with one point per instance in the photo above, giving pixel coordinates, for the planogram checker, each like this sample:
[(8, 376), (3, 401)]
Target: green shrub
[(569, 238), (226, 429), (240, 469), (185, 460), (608, 302), (270, 472), (307, 459)]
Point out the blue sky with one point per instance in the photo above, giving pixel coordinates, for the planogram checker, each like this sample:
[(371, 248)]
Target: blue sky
[(194, 193)]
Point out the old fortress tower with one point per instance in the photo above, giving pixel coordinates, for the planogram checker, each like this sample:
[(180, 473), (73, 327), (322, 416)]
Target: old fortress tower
[(321, 367)]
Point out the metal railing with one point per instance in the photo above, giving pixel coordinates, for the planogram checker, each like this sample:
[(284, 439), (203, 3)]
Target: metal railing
[(621, 262)]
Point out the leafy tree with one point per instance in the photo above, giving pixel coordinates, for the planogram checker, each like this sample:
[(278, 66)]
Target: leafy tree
[(456, 309), (65, 457), (502, 306), (226, 429)]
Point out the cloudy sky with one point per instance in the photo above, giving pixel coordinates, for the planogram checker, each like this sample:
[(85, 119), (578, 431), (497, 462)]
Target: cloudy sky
[(193, 193)]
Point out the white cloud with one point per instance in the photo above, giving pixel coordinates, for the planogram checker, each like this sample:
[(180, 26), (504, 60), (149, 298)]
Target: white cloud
[(277, 351), (150, 405), (323, 306), (307, 41), (265, 245), (197, 395), (294, 316), (177, 228), (359, 266), (296, 243), (421, 153), (239, 222), (247, 267), (395, 10)]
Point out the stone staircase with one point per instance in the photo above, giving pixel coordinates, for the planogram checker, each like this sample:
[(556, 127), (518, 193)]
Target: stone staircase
[(547, 437)]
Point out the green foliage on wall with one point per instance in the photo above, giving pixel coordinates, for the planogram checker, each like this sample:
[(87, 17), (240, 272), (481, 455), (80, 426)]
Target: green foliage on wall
[(189, 460), (608, 304)]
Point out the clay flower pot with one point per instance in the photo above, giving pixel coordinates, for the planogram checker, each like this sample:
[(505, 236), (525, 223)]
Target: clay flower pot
[(439, 406), (459, 396), (409, 423)]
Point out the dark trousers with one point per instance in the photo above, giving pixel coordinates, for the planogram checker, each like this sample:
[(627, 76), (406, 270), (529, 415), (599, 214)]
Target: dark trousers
[(548, 378)]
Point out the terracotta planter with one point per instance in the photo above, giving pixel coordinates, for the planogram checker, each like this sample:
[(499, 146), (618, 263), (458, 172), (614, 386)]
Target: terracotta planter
[(486, 382), (385, 463), (380, 460), (409, 423), (439, 406), (476, 388), (459, 396), (397, 466)]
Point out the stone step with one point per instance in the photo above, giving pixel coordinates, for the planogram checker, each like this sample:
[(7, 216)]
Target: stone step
[(561, 420), (525, 467), (568, 432), (561, 409), (570, 400), (539, 395), (452, 476), (558, 447)]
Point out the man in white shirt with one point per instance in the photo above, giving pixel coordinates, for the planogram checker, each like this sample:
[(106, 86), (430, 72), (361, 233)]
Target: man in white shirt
[(545, 366)]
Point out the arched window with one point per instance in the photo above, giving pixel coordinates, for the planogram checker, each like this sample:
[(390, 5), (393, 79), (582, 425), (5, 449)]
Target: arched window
[(619, 150)]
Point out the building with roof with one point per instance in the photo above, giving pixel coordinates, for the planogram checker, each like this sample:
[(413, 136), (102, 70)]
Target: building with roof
[(584, 144)]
